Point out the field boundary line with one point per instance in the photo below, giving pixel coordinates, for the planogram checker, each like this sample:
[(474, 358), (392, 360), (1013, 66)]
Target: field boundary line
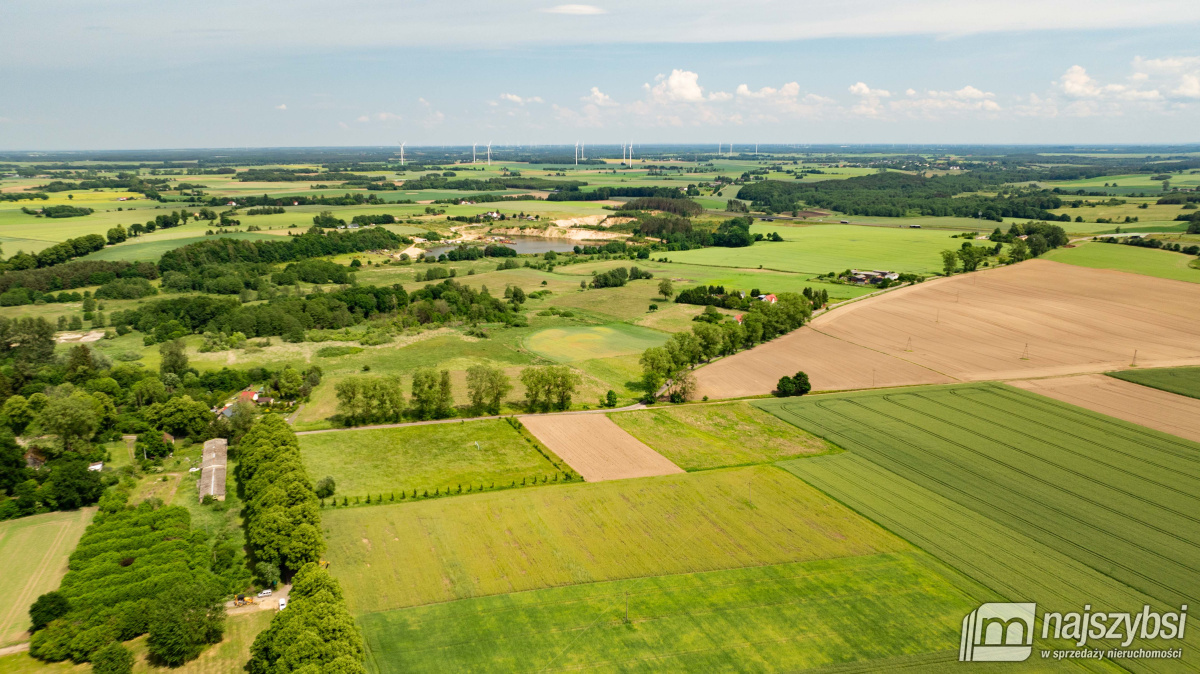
[(432, 422)]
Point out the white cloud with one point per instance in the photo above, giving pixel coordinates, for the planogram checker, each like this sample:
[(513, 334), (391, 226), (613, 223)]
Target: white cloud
[(861, 89), (598, 98), (870, 103), (513, 98), (682, 86), (575, 10), (343, 125), (379, 117), (281, 106), (934, 104)]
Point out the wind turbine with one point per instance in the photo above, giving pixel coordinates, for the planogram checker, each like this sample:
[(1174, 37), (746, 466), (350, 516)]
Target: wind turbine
[(630, 154), (576, 155), (489, 153), (402, 144), (473, 153), (719, 144), (622, 154)]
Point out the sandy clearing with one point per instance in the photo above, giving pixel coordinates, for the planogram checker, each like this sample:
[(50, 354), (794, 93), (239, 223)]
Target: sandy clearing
[(975, 327), (597, 448), (1162, 411)]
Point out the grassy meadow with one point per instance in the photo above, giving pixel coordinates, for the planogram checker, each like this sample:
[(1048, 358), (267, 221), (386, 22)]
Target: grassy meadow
[(33, 555), (697, 437), (395, 556), (390, 460), (570, 344), (1146, 261), (761, 618), (819, 249)]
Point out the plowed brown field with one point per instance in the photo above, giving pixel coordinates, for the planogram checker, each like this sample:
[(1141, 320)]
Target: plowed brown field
[(1162, 411), (597, 448), (1034, 319)]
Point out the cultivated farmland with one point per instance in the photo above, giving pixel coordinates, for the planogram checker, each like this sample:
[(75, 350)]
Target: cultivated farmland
[(1182, 380), (33, 556), (1166, 412), (393, 556), (1119, 498), (387, 460), (1034, 319), (597, 448), (696, 437), (763, 618)]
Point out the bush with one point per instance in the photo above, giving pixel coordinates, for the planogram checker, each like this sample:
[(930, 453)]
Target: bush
[(796, 385), (326, 486), (112, 659), (48, 608)]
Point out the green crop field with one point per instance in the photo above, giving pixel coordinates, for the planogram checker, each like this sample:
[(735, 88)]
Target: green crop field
[(1147, 261), (764, 618), (696, 437), (1184, 381), (1113, 496), (33, 555), (601, 341), (818, 249), (389, 460), (394, 556)]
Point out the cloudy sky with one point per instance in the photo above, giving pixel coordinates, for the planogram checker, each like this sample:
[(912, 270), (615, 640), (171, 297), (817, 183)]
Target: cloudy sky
[(79, 74)]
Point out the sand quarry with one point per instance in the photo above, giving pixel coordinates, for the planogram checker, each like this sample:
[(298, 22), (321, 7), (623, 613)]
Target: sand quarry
[(597, 448), (1142, 405), (1034, 319)]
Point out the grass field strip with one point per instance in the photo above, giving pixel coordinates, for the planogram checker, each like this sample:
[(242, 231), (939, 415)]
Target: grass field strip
[(752, 617), (1138, 541)]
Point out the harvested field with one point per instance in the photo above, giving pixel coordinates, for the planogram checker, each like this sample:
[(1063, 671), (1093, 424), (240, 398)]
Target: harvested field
[(1162, 411), (33, 555), (597, 448), (978, 326)]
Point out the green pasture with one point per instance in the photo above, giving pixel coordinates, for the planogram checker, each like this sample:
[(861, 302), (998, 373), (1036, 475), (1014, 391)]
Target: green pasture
[(1184, 381), (599, 341), (819, 249), (1110, 495), (33, 555), (884, 609), (1146, 261), (696, 437), (395, 556), (390, 460), (149, 248)]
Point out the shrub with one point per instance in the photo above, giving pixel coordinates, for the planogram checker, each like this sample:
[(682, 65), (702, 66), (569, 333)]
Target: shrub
[(796, 385)]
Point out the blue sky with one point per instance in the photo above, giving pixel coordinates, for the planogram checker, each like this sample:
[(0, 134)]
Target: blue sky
[(139, 74)]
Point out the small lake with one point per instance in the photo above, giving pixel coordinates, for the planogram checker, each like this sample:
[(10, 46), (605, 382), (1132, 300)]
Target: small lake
[(526, 244)]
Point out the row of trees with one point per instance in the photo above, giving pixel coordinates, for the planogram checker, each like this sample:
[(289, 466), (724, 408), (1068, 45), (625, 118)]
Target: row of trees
[(315, 634), (282, 511), (672, 363)]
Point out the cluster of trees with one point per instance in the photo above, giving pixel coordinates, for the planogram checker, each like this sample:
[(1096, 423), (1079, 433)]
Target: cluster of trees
[(315, 634), (21, 196), (682, 207), (894, 194), (571, 192), (75, 275), (58, 253), (61, 211), (137, 570), (267, 210), (313, 243), (347, 199), (550, 387), (617, 277), (672, 362), (283, 516), (126, 289), (464, 252), (1144, 242), (717, 296), (130, 182)]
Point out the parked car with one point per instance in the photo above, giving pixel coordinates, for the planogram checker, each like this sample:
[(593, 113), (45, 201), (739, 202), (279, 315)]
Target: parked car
[(282, 603), (265, 593)]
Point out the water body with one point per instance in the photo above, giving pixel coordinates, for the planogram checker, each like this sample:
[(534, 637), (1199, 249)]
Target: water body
[(526, 244)]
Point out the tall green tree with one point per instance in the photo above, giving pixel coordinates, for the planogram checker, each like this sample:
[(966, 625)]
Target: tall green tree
[(486, 386), (174, 359)]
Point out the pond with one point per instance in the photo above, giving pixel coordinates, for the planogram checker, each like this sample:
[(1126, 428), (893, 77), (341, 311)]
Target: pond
[(526, 244)]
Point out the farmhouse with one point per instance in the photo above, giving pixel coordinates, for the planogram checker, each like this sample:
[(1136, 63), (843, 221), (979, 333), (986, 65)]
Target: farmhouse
[(863, 277), (212, 469)]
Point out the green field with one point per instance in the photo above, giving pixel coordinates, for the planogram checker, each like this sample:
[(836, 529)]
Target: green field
[(882, 608), (1113, 496), (1147, 261), (395, 556), (818, 249), (33, 555), (601, 341), (695, 437), (390, 460), (1184, 381), (151, 248)]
